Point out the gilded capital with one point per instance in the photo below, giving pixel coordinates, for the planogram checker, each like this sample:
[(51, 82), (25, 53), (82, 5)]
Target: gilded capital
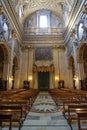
[(72, 33), (1, 10), (14, 34), (85, 9)]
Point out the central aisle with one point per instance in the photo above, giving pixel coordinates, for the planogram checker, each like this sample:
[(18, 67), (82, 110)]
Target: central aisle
[(45, 115)]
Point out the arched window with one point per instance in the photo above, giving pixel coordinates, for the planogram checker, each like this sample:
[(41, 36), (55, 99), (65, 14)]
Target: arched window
[(43, 21)]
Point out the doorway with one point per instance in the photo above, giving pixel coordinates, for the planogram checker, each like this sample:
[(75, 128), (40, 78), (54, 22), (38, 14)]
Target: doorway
[(43, 80)]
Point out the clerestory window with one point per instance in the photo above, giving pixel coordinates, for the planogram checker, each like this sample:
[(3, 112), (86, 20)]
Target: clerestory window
[(43, 21)]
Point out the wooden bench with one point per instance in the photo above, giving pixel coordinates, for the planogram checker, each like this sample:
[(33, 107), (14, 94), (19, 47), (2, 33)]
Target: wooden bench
[(81, 115), (72, 112), (65, 106), (63, 95), (23, 103), (15, 111), (72, 102), (6, 118)]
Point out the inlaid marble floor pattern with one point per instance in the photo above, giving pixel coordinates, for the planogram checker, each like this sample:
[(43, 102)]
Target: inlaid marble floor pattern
[(45, 115)]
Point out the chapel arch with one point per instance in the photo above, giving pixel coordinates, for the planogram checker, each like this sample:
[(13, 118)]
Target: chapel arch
[(82, 61), (80, 52), (82, 57), (5, 52), (14, 71), (16, 62), (1, 61), (3, 66), (71, 71), (85, 60), (71, 65)]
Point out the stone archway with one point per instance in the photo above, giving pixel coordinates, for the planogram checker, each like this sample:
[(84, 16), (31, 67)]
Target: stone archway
[(71, 71), (71, 65), (14, 72), (85, 60), (3, 66), (82, 61), (80, 52), (1, 61), (82, 58)]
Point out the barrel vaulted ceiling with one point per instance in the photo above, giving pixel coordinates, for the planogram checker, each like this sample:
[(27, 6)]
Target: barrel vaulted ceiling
[(26, 7)]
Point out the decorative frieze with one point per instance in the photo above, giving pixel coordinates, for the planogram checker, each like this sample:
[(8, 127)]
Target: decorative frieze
[(43, 68)]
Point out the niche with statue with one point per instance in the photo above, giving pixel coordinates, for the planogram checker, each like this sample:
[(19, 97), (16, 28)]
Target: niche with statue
[(26, 84), (61, 84)]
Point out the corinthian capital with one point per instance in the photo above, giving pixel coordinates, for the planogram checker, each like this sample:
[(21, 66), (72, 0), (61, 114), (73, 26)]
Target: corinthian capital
[(1, 10), (72, 33), (85, 9), (14, 34)]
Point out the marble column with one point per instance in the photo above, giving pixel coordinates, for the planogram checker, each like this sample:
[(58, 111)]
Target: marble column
[(6, 73), (77, 68), (51, 81), (81, 70), (75, 60), (30, 66), (56, 66), (70, 78), (11, 58), (16, 78), (35, 81)]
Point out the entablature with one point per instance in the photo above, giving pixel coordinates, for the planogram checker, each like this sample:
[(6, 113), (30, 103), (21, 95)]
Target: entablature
[(50, 39)]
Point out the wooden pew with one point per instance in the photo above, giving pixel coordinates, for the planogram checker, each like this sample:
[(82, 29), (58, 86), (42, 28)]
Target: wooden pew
[(81, 115), (17, 104), (23, 103), (72, 102), (6, 118), (10, 92), (15, 111), (72, 112), (65, 106)]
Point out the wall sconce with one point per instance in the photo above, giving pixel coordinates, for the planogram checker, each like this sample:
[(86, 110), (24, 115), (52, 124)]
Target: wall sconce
[(56, 78), (30, 78)]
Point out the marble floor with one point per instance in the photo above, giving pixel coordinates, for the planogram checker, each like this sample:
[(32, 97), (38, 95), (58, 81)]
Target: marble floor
[(45, 115)]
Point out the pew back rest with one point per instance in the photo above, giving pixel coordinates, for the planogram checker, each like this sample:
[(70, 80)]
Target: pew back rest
[(74, 107), (14, 110)]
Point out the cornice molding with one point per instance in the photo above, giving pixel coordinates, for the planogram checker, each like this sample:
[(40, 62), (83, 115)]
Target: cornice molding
[(42, 37), (59, 47), (44, 40), (56, 46)]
